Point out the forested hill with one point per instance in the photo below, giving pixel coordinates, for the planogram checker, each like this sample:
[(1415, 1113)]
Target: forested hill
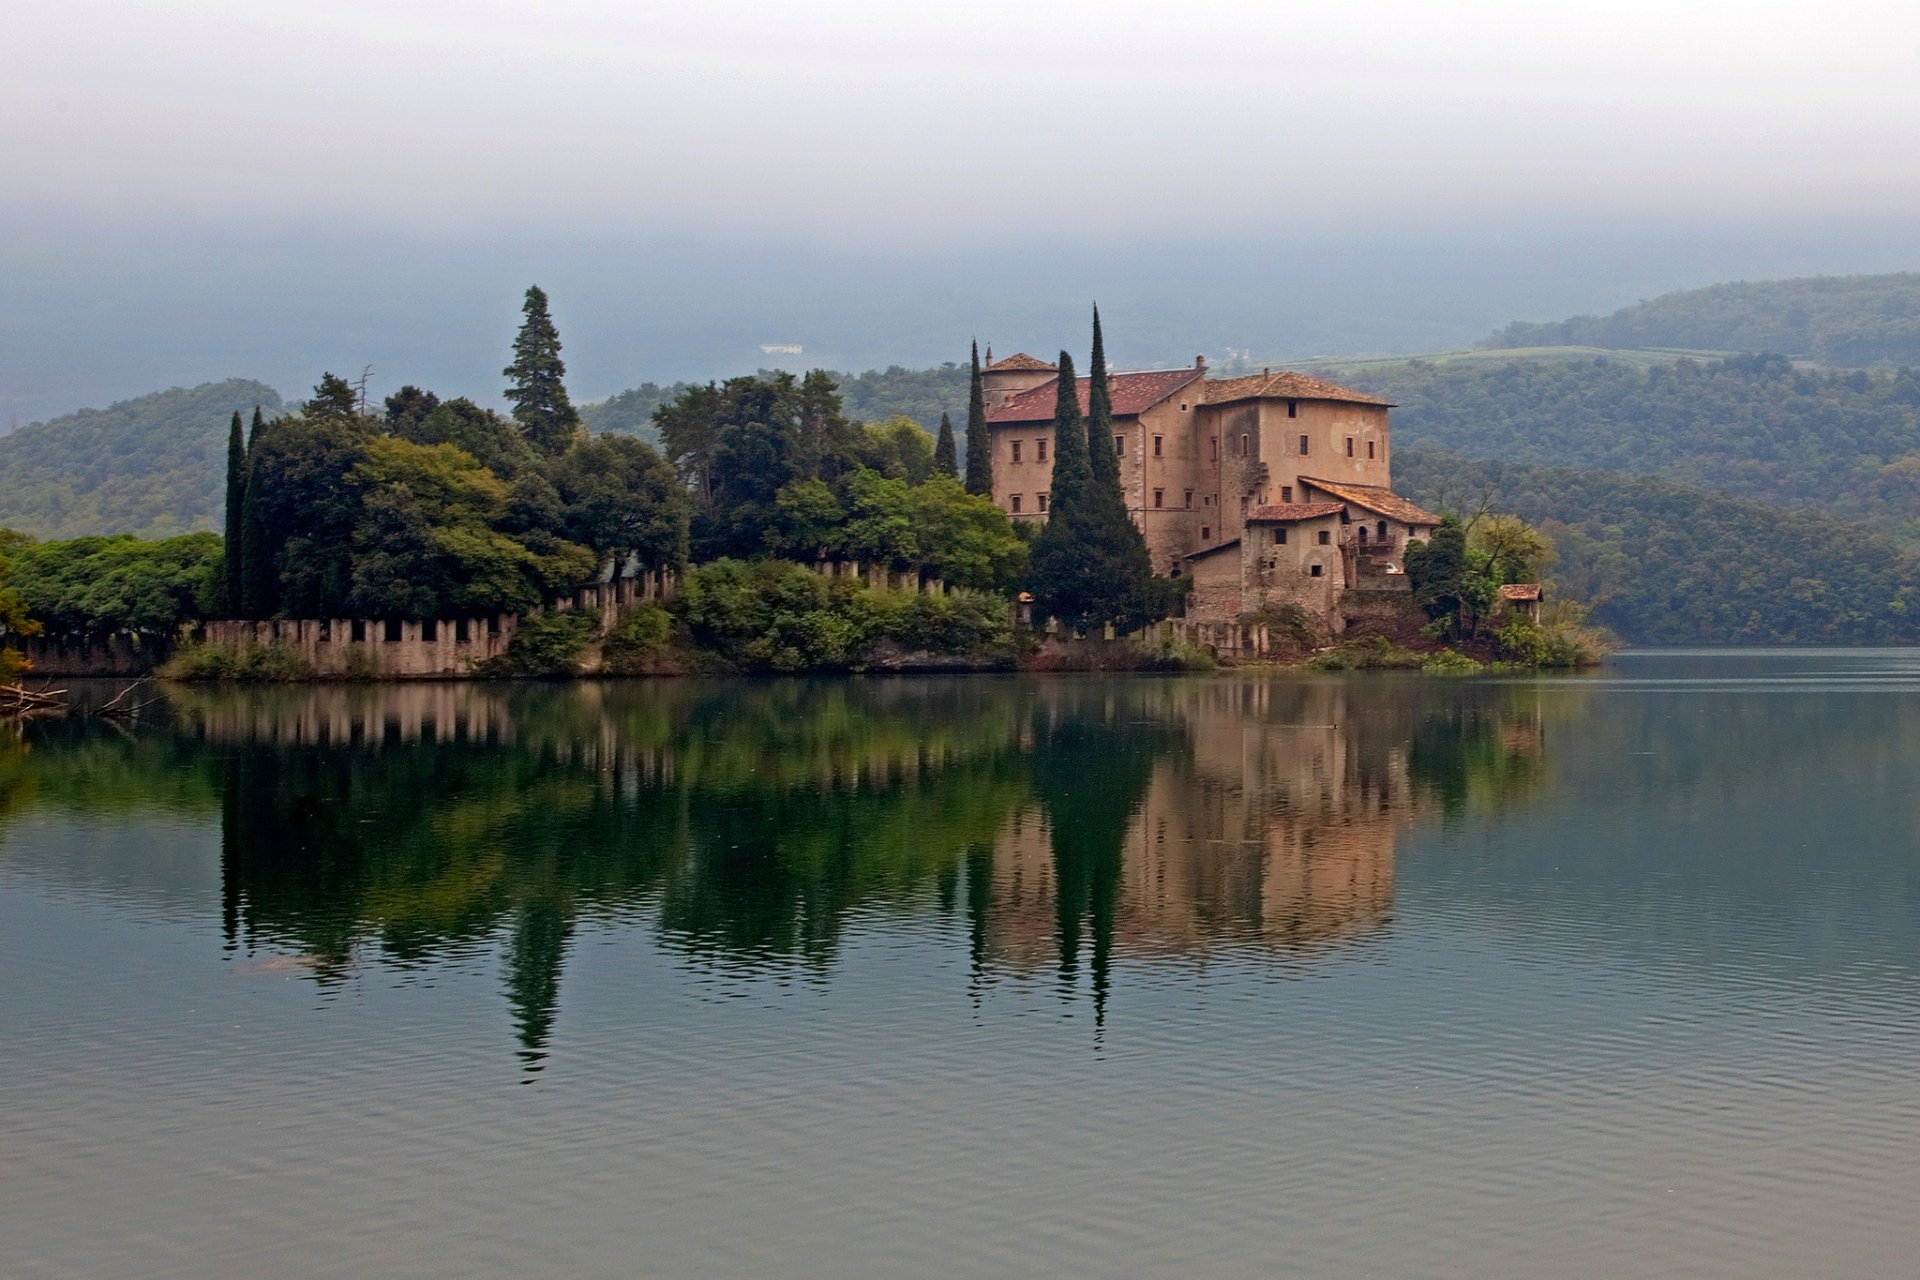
[(1845, 321), (152, 465), (1665, 564), (1845, 443)]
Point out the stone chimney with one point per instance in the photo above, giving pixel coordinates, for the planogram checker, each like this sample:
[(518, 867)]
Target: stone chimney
[(1199, 362)]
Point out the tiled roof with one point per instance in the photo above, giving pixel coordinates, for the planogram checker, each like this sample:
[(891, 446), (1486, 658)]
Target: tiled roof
[(1375, 498), (1021, 361), (1285, 386), (1520, 591), (1202, 554), (1133, 393), (1286, 511)]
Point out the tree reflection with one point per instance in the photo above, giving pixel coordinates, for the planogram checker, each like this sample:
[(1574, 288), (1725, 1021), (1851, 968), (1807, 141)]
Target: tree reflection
[(1069, 823)]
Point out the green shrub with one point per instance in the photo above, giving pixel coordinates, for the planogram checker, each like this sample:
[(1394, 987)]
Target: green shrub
[(638, 638), (1451, 662), (546, 644), (1368, 653), (773, 615), (275, 663)]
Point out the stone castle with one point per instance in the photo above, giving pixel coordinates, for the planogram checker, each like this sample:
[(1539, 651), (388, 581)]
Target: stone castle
[(1268, 490)]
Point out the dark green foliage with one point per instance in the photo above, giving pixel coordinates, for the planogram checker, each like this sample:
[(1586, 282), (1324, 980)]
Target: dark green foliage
[(1090, 563), (898, 448), (15, 623), (275, 663), (776, 616), (755, 455), (1663, 564), (946, 461), (1851, 321), (407, 408), (93, 586), (1437, 571), (537, 381), (979, 437), (151, 466), (494, 442), (1848, 443), (620, 499), (233, 578), (920, 394)]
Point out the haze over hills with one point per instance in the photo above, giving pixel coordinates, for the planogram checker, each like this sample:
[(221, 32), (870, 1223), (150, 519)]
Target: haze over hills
[(1843, 321)]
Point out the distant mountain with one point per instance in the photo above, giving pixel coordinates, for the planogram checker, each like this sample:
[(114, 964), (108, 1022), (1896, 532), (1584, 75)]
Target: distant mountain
[(1753, 426), (1665, 564), (154, 465), (1849, 322)]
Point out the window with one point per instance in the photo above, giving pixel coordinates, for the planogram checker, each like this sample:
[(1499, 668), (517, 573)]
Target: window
[(393, 630), (1326, 537), (1015, 499), (1286, 493), (1349, 446), (1363, 535), (1041, 499), (1383, 531), (1183, 408), (1039, 450), (1369, 450), (1119, 446), (1156, 446), (1280, 536), (1016, 450), (1189, 499), (1293, 408), (1314, 572), (1206, 532), (1303, 446), (1213, 448), (1159, 498), (430, 629), (1245, 440)]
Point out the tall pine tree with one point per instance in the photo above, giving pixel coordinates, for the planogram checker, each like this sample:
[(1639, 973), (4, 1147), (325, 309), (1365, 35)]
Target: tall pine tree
[(537, 389), (234, 586), (945, 461), (979, 438)]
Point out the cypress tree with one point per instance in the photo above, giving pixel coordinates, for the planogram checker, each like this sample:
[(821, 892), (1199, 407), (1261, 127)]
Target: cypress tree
[(945, 462), (1059, 564), (979, 438), (234, 585), (258, 594), (538, 390), (1122, 590)]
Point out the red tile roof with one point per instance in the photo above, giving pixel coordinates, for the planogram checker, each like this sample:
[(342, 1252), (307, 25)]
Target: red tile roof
[(1375, 498), (1021, 361), (1288, 511), (1520, 591), (1207, 551), (1133, 393), (1285, 386)]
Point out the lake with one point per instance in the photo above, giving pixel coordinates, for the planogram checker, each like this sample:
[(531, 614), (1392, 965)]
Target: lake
[(1614, 975)]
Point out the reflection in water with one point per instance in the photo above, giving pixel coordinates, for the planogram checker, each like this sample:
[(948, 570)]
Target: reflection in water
[(1074, 822)]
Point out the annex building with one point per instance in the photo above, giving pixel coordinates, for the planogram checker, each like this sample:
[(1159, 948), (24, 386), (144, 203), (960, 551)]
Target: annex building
[(1268, 490)]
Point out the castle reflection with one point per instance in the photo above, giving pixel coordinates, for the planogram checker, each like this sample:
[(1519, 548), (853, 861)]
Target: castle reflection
[(1070, 825)]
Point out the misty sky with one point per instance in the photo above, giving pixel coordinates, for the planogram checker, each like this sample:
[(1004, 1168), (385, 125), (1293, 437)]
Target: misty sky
[(156, 151)]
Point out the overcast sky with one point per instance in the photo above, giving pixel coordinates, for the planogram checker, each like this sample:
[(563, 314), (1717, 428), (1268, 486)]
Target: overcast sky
[(195, 189), (907, 123)]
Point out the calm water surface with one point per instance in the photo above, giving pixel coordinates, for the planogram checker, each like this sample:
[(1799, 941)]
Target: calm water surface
[(1612, 976)]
